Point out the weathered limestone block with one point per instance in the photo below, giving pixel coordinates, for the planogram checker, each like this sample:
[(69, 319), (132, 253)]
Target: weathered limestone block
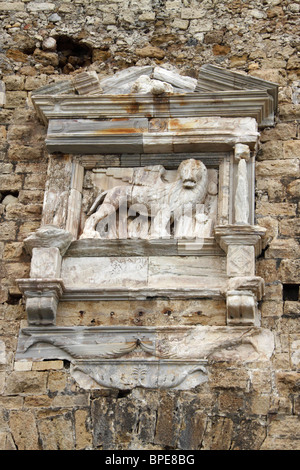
[(290, 227), (274, 188), (27, 382), (278, 168), (33, 83), (271, 309), (12, 6), (289, 271), (3, 294), (150, 51), (25, 437), (41, 6), (24, 152), (83, 434), (46, 58), (294, 188), (15, 99), (6, 441), (270, 150), (282, 131), (276, 209), (283, 248), (192, 13), (11, 182), (8, 230), (279, 434), (23, 211), (56, 433), (13, 83), (291, 149), (233, 378)]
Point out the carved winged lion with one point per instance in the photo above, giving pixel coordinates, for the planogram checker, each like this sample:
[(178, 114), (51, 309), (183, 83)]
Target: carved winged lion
[(160, 199)]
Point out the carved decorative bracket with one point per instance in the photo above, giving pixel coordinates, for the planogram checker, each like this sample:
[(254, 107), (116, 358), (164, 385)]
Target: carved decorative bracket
[(148, 357), (42, 297)]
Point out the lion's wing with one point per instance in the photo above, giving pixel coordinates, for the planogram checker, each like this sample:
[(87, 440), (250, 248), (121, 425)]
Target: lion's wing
[(148, 175), (97, 201)]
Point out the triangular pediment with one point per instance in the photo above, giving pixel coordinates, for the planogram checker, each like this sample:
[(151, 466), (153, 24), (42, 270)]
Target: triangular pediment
[(152, 91), (210, 79)]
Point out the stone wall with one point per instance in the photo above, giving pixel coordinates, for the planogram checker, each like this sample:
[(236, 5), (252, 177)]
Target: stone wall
[(253, 406)]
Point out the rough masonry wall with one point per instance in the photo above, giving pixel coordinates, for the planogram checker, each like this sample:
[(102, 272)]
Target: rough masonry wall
[(253, 406)]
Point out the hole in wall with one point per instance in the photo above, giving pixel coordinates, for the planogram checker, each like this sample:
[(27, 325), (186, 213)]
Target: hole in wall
[(14, 299), (123, 393), (4, 194), (66, 364), (290, 292), (72, 54)]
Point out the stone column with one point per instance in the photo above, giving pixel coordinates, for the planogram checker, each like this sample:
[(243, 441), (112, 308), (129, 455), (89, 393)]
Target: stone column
[(241, 200)]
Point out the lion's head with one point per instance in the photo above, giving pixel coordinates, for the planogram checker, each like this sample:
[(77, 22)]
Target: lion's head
[(191, 172)]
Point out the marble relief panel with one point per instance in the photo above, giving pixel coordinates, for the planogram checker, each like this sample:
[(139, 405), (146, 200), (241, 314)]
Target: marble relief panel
[(147, 199)]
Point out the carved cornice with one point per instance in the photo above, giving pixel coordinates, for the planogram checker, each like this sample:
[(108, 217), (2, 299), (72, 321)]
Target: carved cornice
[(257, 104), (143, 293), (41, 287), (37, 288)]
